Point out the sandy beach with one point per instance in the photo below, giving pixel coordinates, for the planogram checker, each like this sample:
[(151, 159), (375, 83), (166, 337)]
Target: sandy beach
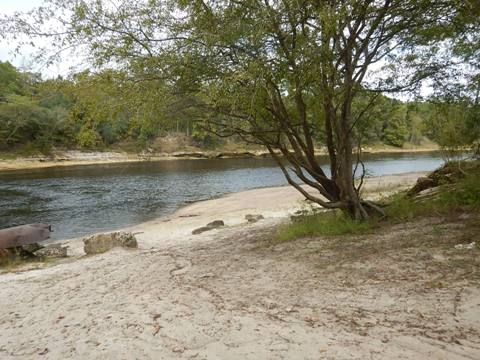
[(274, 203), (238, 293)]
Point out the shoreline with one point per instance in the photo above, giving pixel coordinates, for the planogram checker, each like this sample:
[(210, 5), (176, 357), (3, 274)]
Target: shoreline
[(78, 158), (274, 203)]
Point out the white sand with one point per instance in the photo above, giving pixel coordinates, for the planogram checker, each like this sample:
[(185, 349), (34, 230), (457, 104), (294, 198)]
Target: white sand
[(232, 293), (272, 203)]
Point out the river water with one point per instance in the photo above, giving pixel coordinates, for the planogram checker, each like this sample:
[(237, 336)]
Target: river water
[(86, 199)]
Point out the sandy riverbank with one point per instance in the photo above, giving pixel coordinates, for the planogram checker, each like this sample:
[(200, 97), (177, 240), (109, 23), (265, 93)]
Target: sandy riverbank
[(79, 158), (273, 203), (236, 293)]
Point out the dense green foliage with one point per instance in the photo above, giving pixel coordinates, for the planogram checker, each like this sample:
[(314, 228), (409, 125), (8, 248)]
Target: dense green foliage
[(95, 111), (455, 125), (91, 111), (30, 114)]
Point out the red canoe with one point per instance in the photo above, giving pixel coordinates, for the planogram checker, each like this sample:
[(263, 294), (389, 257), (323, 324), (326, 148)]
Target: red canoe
[(24, 235)]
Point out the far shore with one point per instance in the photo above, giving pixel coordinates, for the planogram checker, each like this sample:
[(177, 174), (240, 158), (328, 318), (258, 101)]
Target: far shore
[(80, 158)]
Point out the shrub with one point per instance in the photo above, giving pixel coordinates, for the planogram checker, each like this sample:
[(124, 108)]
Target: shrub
[(88, 138)]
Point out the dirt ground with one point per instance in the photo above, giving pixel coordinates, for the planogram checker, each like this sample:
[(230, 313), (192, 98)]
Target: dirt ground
[(402, 292)]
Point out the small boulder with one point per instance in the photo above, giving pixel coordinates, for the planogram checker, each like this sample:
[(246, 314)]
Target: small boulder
[(210, 226), (101, 243), (216, 224), (469, 246), (52, 251), (253, 218), (201, 230)]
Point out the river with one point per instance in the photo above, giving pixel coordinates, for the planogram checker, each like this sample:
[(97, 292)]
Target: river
[(83, 200)]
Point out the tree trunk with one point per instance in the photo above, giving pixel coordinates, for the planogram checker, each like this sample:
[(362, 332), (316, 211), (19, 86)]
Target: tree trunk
[(341, 158), (345, 182)]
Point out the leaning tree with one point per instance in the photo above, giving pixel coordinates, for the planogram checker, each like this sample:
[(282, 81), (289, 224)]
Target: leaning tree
[(283, 74)]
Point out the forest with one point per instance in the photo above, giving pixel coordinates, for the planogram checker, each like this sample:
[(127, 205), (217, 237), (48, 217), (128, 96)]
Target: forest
[(107, 109)]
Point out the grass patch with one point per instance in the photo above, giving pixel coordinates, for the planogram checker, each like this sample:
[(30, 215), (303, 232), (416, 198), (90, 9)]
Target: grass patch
[(402, 208), (465, 193), (329, 223), (460, 192), (8, 264)]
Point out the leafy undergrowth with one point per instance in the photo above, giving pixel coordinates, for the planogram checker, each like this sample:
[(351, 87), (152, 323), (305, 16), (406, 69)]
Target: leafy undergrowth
[(457, 188)]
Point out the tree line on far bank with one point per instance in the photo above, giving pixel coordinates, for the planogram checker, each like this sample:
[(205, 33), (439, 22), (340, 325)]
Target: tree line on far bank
[(105, 109)]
